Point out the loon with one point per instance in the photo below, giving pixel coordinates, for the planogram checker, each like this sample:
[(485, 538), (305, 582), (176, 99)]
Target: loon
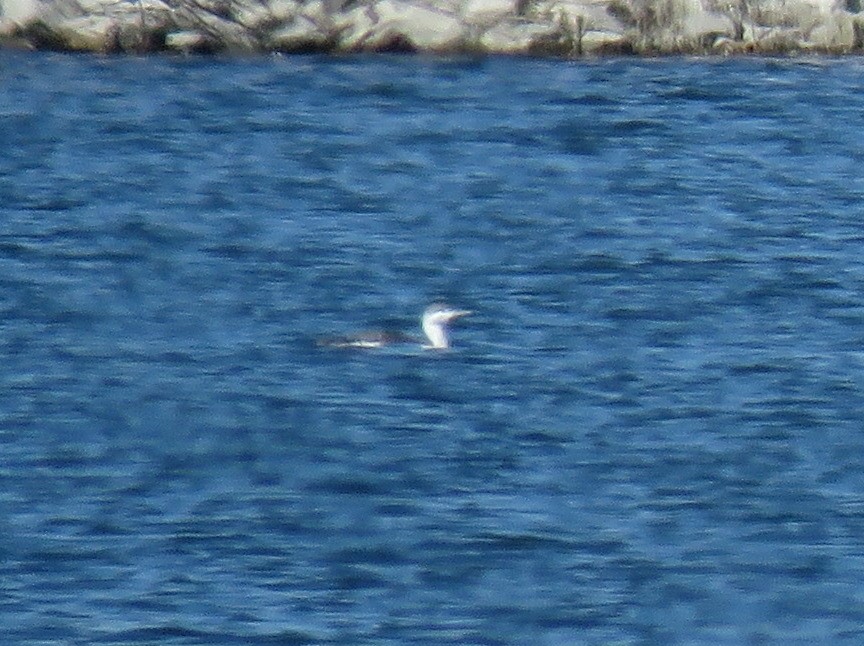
[(435, 322)]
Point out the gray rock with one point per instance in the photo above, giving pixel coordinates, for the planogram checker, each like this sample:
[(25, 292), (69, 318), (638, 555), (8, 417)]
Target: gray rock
[(403, 25), (486, 13), (596, 43), (302, 35), (189, 42), (836, 33), (80, 34), (538, 27), (21, 11), (220, 28), (524, 37)]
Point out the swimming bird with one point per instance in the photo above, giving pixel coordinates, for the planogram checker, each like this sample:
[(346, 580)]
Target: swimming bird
[(435, 324)]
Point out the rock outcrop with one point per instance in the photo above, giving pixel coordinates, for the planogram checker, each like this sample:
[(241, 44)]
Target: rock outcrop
[(564, 28)]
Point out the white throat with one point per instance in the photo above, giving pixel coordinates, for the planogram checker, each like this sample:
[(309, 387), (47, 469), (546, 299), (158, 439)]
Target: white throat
[(436, 333)]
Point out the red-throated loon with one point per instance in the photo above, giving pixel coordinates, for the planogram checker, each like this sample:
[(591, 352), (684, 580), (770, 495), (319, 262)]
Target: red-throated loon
[(435, 322)]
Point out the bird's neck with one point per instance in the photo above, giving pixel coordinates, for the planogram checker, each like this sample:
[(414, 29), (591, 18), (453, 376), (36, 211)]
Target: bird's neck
[(437, 335)]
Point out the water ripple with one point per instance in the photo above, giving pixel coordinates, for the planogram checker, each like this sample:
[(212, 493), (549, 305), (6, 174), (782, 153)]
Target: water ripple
[(648, 431)]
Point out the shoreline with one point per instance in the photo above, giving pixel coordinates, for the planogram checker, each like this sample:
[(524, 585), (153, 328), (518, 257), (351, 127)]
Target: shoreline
[(566, 29)]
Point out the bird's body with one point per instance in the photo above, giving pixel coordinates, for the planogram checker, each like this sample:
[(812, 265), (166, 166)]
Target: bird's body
[(434, 323)]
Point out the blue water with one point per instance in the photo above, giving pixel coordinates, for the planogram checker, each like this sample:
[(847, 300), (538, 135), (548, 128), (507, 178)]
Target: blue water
[(649, 432)]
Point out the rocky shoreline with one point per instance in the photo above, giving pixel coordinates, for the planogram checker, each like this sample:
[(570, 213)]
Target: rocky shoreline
[(560, 28)]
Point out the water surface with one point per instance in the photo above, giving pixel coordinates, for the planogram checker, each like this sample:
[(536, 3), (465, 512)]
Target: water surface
[(648, 433)]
